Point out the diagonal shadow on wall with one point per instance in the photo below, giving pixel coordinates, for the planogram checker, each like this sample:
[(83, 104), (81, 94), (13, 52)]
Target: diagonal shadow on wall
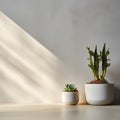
[(29, 73)]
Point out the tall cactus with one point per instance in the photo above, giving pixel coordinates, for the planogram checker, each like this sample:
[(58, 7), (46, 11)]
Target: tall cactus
[(95, 59)]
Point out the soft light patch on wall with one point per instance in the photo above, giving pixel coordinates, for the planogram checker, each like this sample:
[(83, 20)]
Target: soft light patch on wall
[(29, 73)]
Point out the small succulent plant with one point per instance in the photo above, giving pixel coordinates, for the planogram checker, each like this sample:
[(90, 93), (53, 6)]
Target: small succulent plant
[(70, 88), (95, 59)]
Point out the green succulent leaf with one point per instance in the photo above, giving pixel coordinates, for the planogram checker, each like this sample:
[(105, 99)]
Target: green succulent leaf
[(70, 88)]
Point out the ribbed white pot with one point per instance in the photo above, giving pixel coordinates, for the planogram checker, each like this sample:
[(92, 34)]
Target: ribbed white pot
[(70, 98), (99, 94)]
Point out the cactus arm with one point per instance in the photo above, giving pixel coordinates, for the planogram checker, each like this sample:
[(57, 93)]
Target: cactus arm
[(96, 64), (105, 64)]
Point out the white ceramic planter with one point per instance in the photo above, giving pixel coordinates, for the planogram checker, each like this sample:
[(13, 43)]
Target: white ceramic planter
[(70, 98), (99, 94)]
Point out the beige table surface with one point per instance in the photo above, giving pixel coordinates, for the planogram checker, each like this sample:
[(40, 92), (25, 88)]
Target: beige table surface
[(59, 112)]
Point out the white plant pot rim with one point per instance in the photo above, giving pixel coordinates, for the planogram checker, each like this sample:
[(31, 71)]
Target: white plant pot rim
[(102, 84), (71, 92), (99, 84)]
